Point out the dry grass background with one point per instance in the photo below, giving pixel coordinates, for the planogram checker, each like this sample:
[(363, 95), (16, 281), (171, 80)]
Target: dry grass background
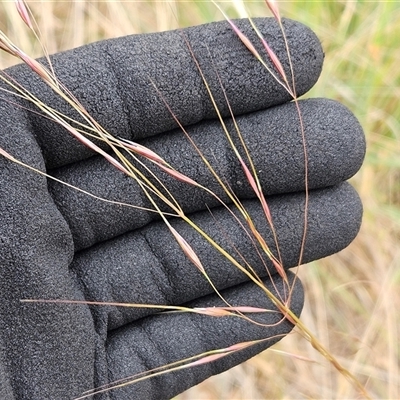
[(353, 298)]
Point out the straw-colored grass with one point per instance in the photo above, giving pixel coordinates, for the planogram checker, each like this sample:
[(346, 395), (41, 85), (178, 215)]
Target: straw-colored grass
[(353, 298)]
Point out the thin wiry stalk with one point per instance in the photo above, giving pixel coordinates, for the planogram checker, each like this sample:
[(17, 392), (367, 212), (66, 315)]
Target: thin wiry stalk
[(9, 157), (258, 189), (189, 362), (285, 310), (213, 311), (254, 182), (258, 237), (291, 90), (228, 311)]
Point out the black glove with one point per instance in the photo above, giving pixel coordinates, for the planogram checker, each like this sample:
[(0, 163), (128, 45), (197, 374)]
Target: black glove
[(58, 243)]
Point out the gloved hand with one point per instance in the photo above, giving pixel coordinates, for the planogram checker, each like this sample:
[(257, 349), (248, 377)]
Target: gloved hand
[(58, 243)]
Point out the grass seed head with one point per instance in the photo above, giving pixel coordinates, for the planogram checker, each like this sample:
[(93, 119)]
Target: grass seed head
[(274, 9), (24, 13)]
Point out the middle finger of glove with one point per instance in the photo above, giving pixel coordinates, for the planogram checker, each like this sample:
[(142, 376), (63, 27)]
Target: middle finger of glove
[(335, 150)]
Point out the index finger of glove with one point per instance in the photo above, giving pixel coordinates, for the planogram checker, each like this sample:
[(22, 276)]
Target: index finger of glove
[(112, 80)]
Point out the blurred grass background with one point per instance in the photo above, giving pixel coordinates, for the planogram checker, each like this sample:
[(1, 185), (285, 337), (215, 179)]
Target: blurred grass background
[(353, 298)]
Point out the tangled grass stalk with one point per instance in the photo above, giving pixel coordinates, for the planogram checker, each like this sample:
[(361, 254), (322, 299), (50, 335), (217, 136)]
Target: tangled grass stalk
[(133, 160)]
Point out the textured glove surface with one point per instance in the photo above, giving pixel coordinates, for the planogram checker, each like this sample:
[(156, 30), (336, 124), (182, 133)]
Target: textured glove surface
[(57, 243)]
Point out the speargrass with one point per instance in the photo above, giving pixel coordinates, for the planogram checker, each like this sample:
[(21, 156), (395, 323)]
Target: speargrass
[(127, 154)]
